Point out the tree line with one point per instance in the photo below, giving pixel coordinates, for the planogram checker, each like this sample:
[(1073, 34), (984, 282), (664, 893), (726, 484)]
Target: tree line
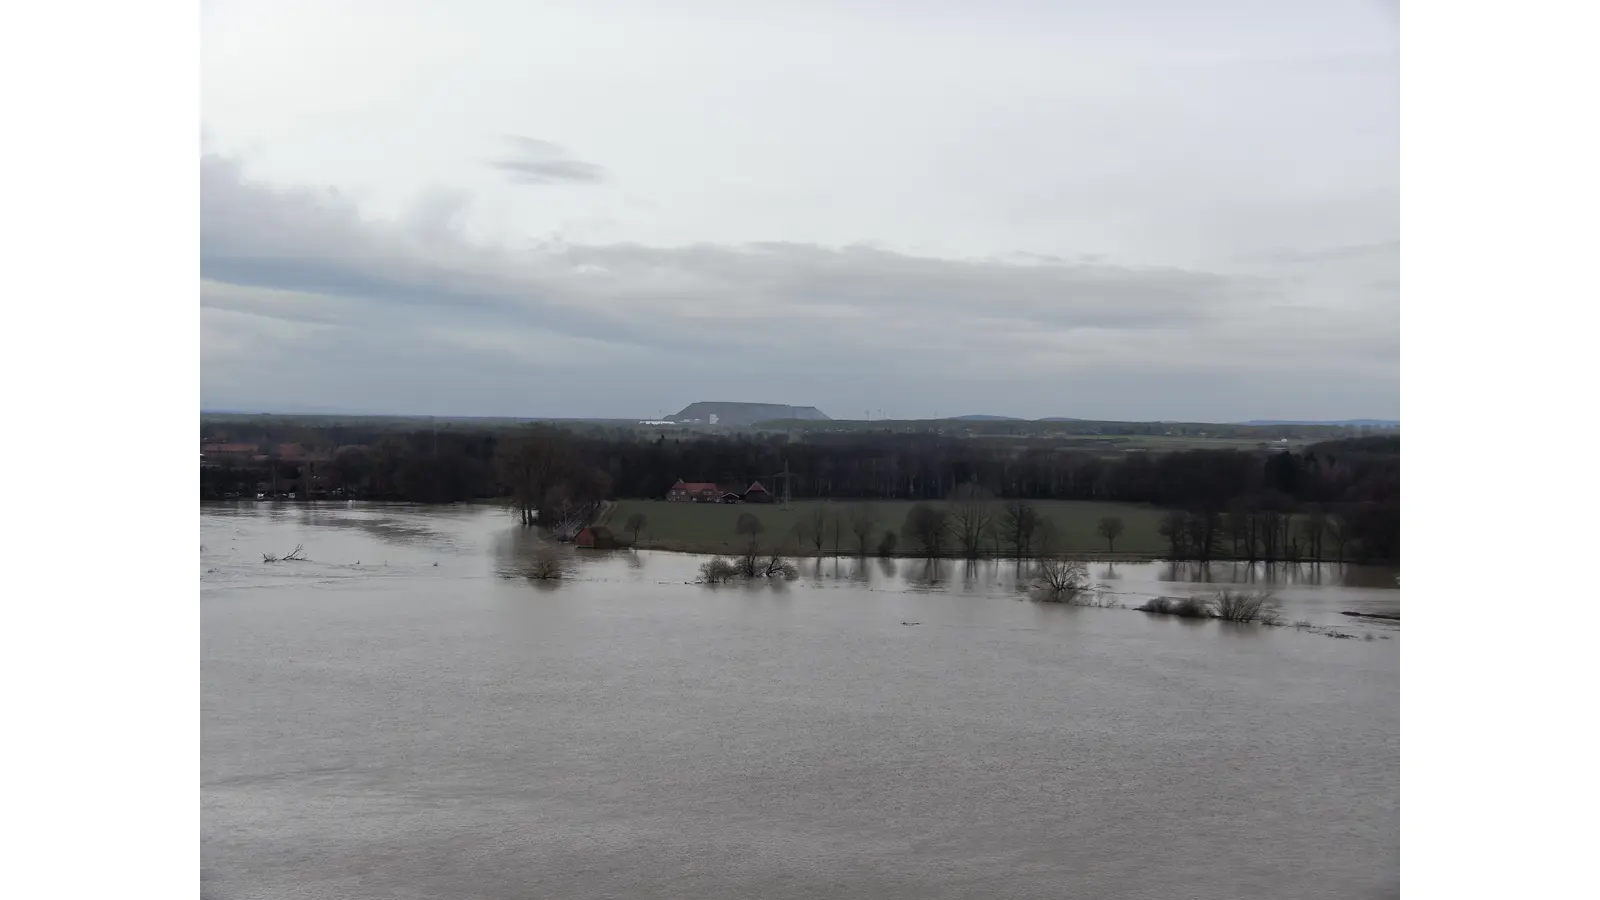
[(1333, 497)]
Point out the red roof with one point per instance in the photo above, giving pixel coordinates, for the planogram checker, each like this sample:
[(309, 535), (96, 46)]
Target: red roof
[(756, 486), (227, 448), (695, 487)]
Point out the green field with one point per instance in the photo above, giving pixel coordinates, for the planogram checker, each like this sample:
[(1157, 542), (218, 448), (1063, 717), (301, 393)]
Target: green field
[(709, 527)]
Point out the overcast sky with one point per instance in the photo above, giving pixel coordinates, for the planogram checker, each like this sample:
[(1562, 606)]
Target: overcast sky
[(1148, 209)]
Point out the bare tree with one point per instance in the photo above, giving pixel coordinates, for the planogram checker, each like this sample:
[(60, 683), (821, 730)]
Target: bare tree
[(636, 523), (971, 517), (1339, 533), (813, 528), (1238, 528), (1272, 531), (1312, 528), (1047, 539), (1063, 580), (836, 522), (862, 524), (928, 527), (1174, 529), (1018, 523), (778, 567), (1110, 528)]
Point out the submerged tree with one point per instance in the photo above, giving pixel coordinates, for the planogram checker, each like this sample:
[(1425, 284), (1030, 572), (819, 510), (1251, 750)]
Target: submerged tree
[(1062, 580)]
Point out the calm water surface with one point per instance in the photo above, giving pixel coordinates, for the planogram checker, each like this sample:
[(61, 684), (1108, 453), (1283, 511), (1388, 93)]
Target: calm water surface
[(394, 719)]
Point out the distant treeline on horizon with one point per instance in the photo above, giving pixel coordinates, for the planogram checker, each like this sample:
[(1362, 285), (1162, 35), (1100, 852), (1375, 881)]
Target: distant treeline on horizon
[(1356, 479)]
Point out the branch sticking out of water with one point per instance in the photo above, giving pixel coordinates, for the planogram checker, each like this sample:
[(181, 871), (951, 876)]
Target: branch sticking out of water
[(298, 554)]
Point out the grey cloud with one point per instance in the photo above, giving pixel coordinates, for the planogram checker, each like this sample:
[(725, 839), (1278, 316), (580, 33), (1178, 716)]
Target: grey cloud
[(1382, 250), (433, 315), (309, 242), (541, 162)]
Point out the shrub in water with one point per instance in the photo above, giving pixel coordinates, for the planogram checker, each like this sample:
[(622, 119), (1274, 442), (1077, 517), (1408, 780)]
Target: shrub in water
[(548, 565), (717, 569), (1184, 607), (1065, 581), (1242, 606)]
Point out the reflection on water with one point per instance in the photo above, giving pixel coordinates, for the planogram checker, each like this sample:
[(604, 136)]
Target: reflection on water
[(1281, 573), (417, 727), (925, 574)]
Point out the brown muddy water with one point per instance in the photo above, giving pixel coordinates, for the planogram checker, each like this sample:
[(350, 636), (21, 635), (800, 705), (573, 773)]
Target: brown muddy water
[(393, 719)]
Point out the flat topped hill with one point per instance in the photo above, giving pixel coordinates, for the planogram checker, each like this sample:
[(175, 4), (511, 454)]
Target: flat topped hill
[(746, 413)]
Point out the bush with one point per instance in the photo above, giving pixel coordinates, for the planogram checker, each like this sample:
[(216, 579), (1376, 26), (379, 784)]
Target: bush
[(718, 569), (548, 565), (749, 564), (1183, 607), (778, 567), (1065, 581), (721, 569), (1243, 606), (886, 545)]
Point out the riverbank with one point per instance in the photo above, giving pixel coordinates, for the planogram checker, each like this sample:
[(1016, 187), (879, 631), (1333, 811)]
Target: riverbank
[(711, 528)]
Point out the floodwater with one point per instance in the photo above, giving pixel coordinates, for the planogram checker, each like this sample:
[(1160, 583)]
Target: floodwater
[(393, 718)]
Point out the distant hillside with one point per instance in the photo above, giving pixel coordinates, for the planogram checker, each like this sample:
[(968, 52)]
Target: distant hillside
[(1343, 421), (746, 413), (982, 418)]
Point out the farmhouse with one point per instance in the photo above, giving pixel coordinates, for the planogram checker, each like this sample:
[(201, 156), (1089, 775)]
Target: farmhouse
[(694, 492), (222, 451), (707, 492)]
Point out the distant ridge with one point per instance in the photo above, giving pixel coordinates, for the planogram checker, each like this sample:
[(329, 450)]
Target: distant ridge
[(739, 414), (1349, 423)]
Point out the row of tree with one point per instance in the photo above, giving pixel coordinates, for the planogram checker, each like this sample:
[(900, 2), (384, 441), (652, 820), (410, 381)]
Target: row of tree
[(1340, 495)]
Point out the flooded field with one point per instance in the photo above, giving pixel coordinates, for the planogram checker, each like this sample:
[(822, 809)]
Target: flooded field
[(395, 718)]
